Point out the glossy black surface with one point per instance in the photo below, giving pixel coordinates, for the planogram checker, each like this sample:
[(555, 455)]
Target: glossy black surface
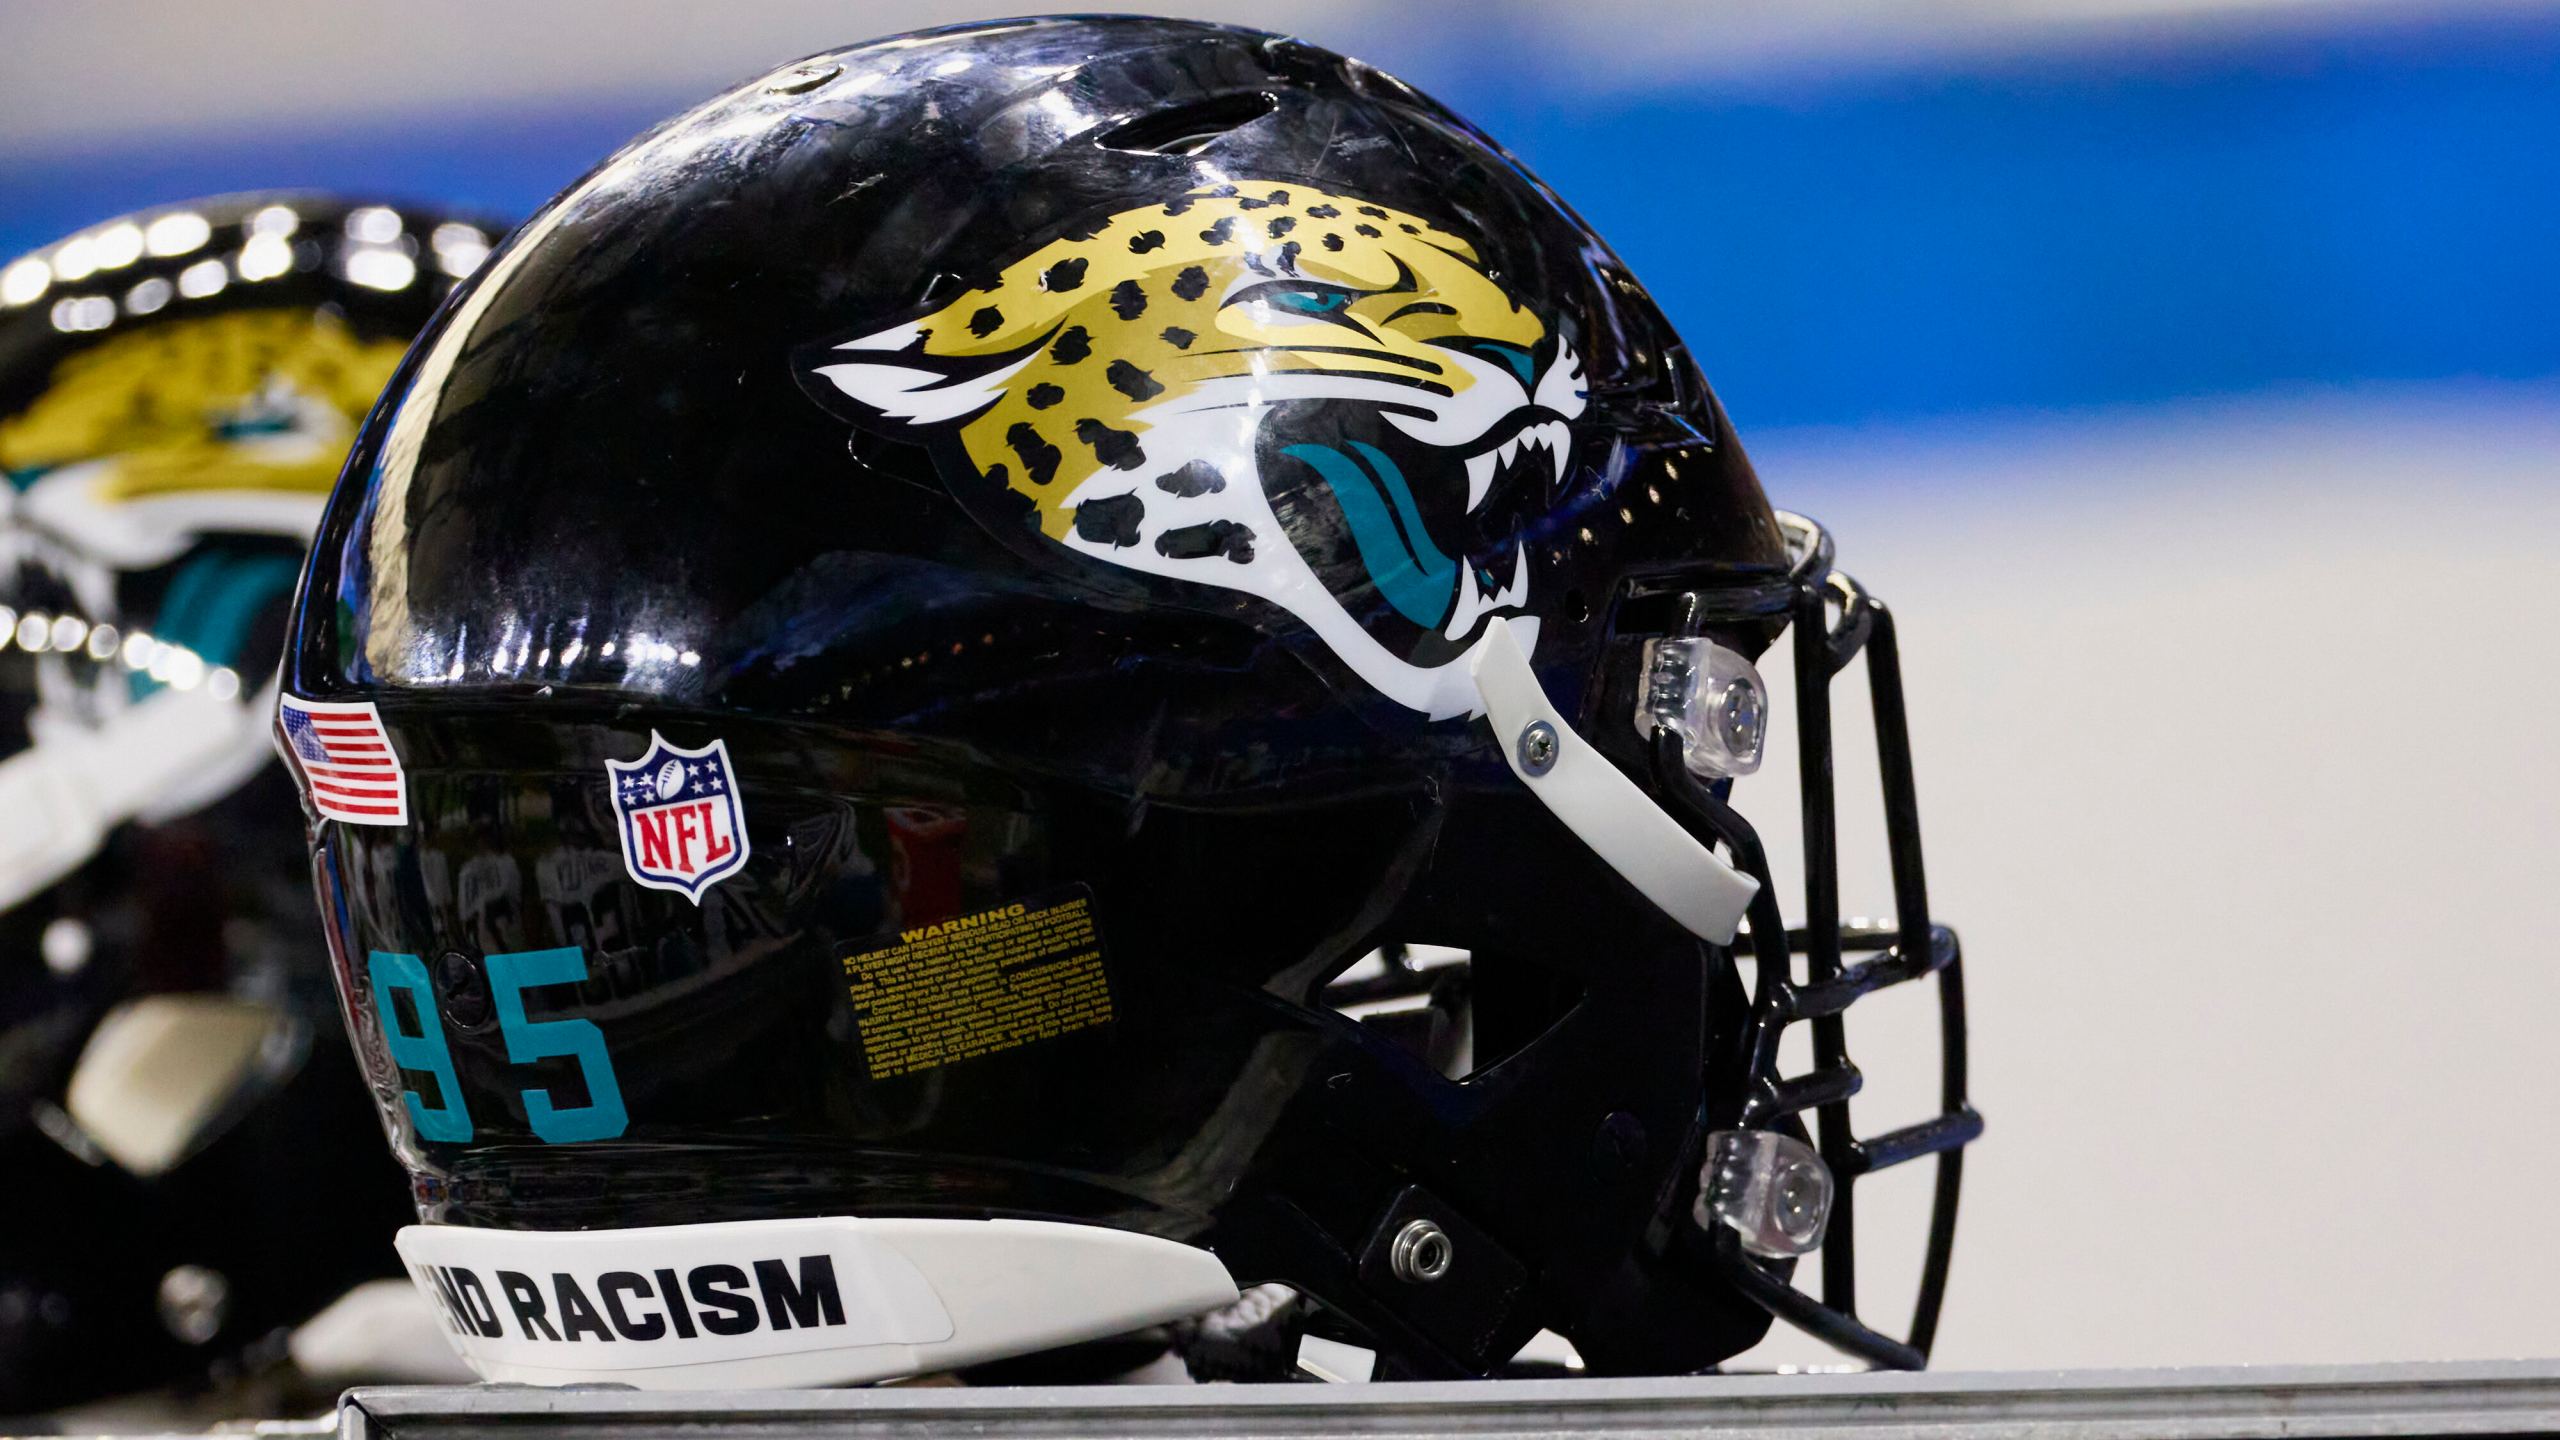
[(614, 444), (612, 495)]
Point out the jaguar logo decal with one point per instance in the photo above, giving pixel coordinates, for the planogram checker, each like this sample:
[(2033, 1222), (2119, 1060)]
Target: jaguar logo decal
[(1308, 397)]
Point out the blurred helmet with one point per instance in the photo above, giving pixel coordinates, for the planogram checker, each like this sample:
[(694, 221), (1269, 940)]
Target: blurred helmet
[(1019, 676), (179, 1117)]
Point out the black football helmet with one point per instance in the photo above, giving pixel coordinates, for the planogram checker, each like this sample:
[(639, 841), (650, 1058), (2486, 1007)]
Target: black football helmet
[(180, 1124), (1018, 676)]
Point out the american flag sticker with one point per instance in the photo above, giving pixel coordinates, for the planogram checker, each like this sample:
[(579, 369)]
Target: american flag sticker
[(347, 765)]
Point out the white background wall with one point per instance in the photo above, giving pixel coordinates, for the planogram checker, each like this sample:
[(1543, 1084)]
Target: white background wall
[(2235, 739)]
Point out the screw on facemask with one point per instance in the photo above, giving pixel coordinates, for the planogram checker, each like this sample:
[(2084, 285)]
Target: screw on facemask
[(1538, 748)]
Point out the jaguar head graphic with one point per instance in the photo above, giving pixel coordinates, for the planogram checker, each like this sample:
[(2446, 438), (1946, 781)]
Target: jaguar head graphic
[(144, 441), (1308, 397)]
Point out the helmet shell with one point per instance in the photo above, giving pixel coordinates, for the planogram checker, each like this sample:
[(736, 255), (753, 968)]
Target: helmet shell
[(970, 641)]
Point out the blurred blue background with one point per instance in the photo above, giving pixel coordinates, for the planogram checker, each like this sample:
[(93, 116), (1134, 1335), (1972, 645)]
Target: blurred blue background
[(2184, 372), (2057, 214)]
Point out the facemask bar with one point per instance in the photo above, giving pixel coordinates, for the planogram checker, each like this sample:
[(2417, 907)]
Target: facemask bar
[(1912, 948)]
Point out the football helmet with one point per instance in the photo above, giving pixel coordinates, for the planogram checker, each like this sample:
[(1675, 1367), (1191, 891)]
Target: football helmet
[(1017, 676), (178, 388)]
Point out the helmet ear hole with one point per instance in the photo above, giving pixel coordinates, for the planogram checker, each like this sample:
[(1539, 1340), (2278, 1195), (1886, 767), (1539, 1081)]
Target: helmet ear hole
[(1189, 129), (1415, 995), (1460, 1012), (1516, 1002)]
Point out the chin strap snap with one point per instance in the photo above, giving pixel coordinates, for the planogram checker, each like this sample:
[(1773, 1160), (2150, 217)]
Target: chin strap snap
[(1612, 815)]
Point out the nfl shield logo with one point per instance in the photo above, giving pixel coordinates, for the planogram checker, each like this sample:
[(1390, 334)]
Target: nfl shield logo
[(683, 827)]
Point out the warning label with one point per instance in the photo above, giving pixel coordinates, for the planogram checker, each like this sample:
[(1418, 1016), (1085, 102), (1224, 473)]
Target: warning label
[(978, 984)]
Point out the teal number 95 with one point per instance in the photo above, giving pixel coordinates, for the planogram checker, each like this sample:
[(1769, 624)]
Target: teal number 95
[(511, 973)]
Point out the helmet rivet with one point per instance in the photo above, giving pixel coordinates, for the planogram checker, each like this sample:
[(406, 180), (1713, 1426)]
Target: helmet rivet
[(1538, 747), (195, 1303), (66, 945), (1421, 1253), (466, 998), (1619, 1147), (801, 79)]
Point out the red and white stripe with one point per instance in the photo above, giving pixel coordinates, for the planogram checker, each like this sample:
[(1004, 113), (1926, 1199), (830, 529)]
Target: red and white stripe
[(361, 781)]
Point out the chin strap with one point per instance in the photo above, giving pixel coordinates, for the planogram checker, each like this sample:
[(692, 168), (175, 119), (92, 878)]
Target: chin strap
[(1596, 801)]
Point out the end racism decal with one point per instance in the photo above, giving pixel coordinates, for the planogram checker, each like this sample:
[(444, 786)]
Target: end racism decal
[(718, 1299)]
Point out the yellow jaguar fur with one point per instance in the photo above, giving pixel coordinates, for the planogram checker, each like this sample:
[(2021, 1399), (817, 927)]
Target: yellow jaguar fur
[(185, 406), (1319, 400), (1140, 307)]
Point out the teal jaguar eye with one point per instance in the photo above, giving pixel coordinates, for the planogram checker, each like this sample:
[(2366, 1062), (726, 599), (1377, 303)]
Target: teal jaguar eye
[(253, 426), (1311, 302)]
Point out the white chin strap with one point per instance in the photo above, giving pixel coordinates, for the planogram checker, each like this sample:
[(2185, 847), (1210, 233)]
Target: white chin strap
[(1622, 825), (65, 792)]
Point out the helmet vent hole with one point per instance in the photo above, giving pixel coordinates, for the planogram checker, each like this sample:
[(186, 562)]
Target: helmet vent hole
[(1189, 129)]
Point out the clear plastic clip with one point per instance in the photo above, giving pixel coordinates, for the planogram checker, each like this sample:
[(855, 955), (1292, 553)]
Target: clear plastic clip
[(1710, 697), (1771, 1189)]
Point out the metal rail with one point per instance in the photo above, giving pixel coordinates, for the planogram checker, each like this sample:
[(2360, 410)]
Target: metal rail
[(2516, 1398)]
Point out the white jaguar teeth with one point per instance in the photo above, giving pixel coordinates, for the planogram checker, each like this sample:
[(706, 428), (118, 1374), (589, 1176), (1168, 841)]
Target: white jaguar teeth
[(1462, 617), (1473, 604), (1555, 437), (1480, 470), (1558, 438)]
